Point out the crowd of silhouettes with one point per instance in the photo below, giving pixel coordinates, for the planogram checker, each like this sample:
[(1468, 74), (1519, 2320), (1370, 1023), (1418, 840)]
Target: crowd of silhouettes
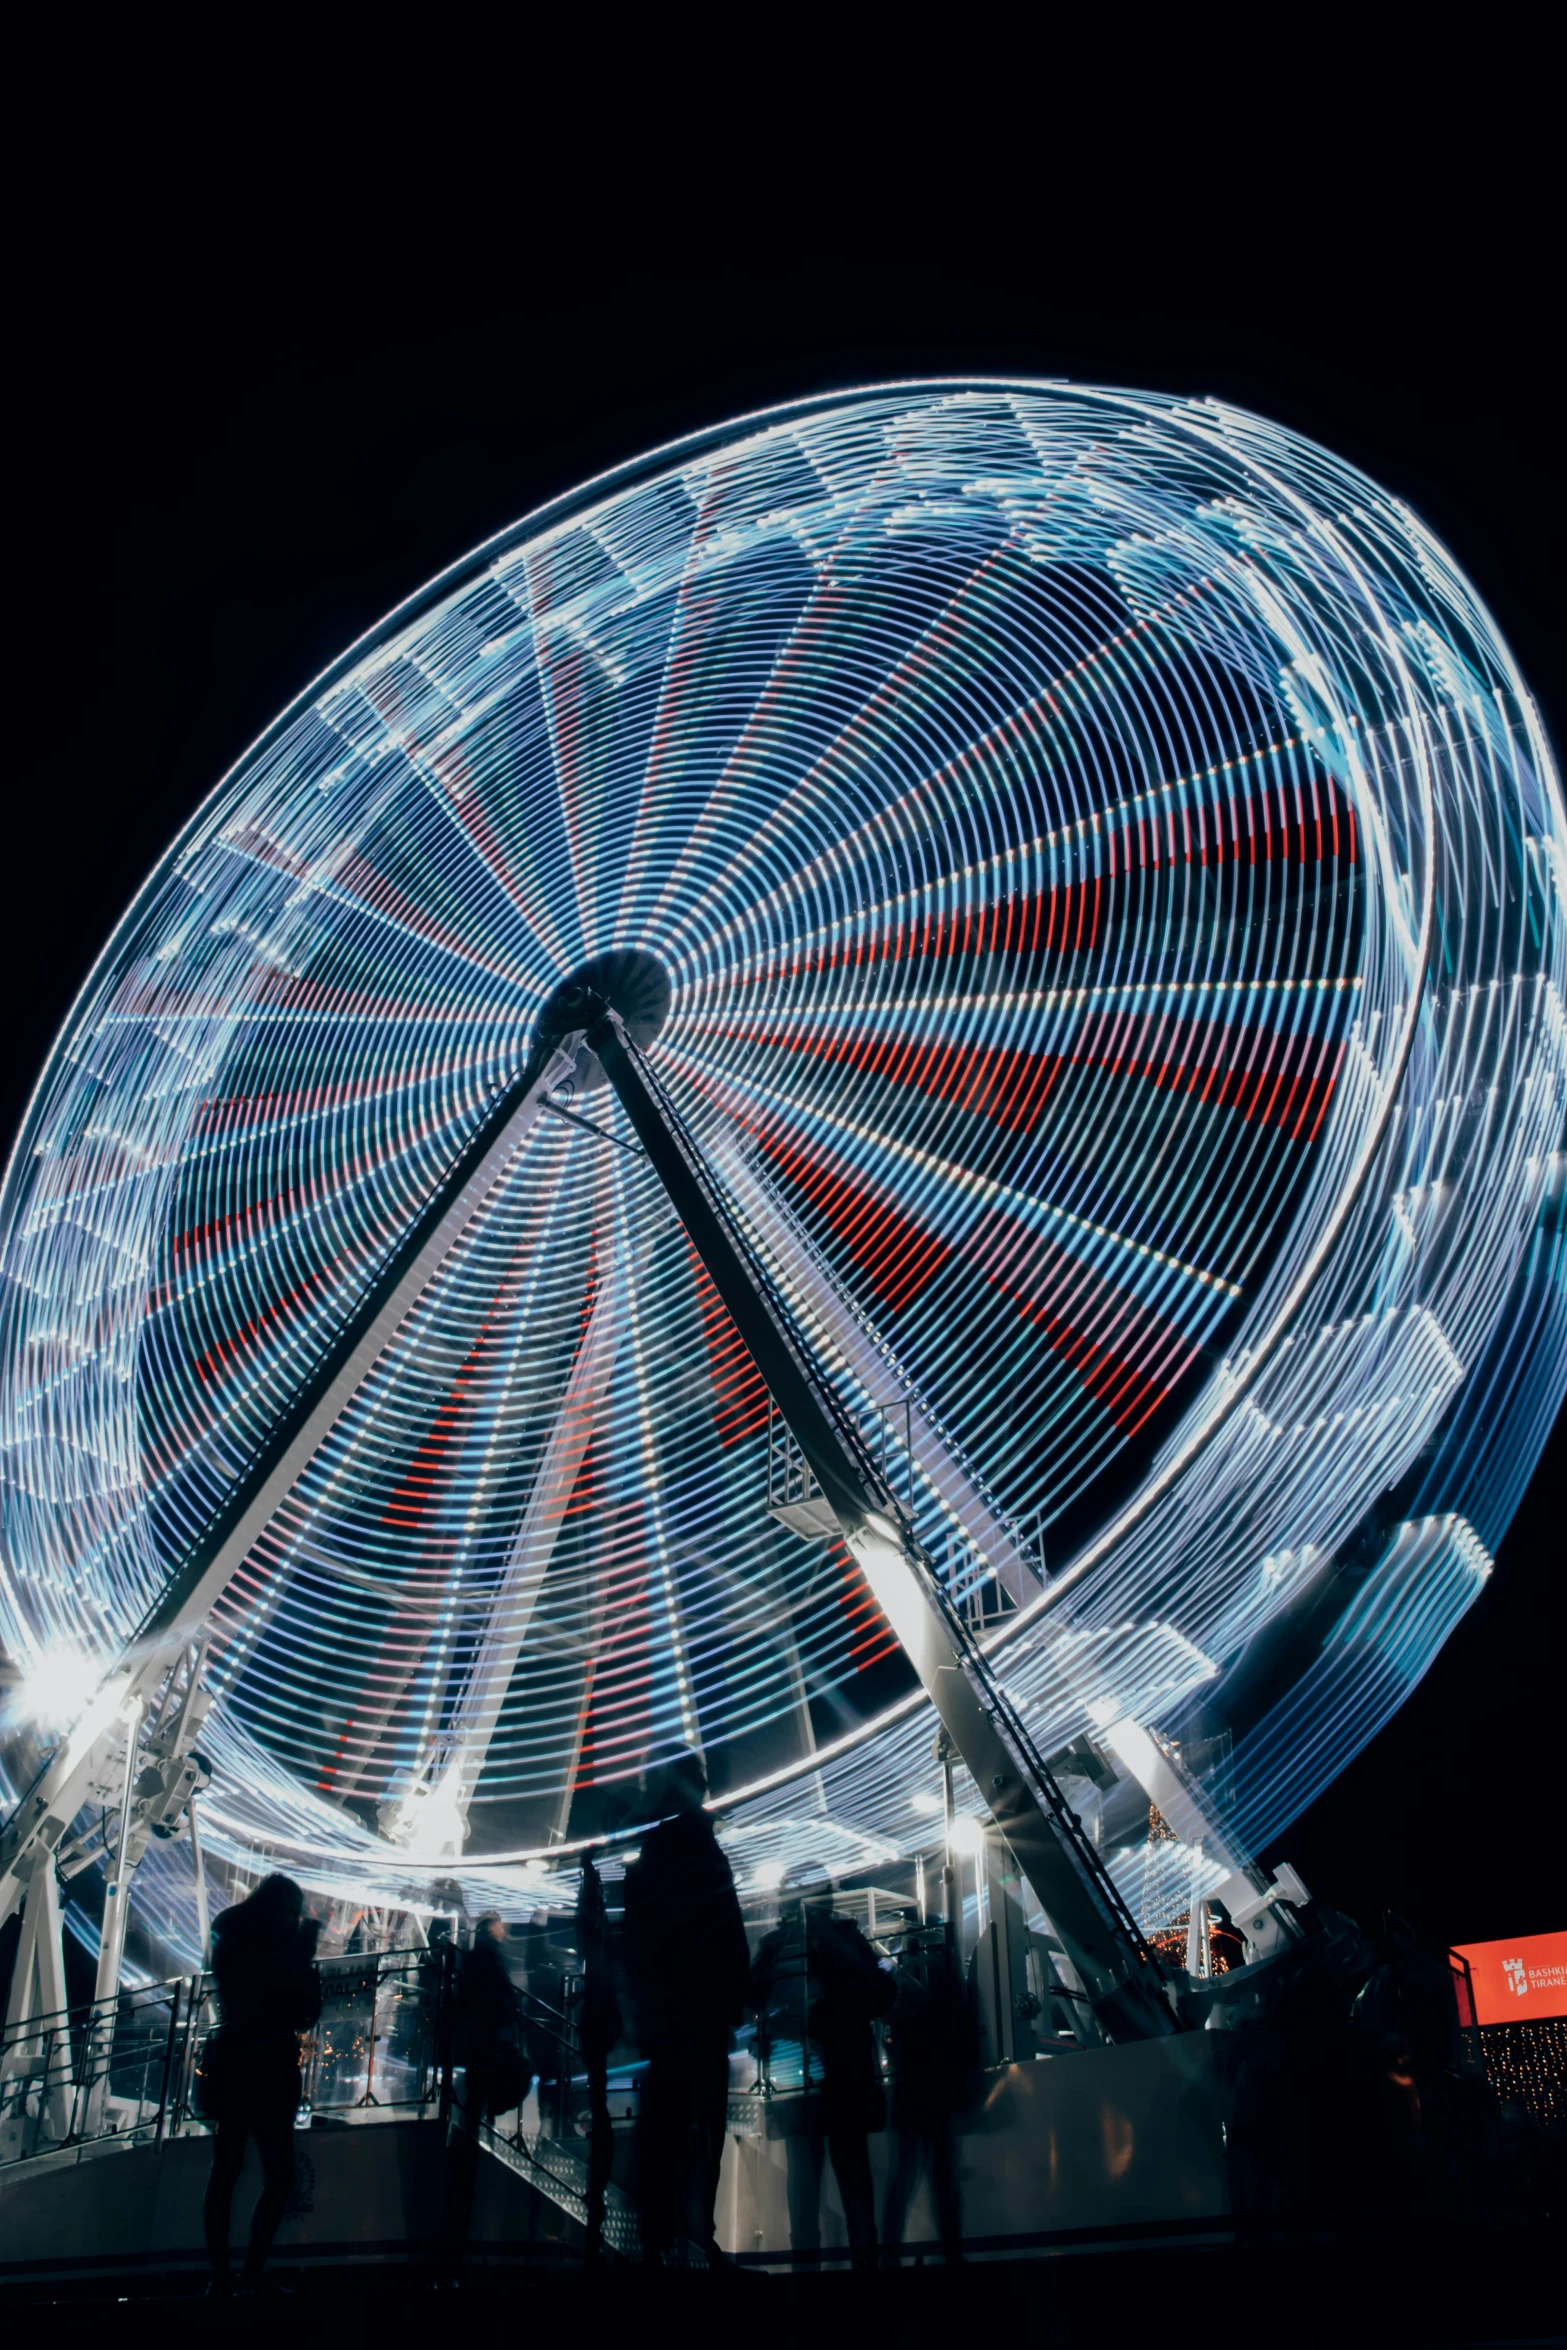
[(1353, 2079), (680, 1975)]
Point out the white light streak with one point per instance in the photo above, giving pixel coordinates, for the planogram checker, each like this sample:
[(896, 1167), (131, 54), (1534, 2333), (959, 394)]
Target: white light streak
[(1109, 864)]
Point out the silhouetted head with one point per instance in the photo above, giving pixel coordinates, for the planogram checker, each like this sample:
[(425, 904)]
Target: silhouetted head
[(672, 1787), (277, 1901), (806, 1886), (275, 1910), (491, 1923)]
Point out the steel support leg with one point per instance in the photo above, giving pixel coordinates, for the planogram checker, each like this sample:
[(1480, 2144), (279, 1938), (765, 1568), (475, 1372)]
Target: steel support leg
[(1125, 1982)]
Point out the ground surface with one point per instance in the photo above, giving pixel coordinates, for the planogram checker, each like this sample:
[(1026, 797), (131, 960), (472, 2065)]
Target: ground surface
[(1500, 2288)]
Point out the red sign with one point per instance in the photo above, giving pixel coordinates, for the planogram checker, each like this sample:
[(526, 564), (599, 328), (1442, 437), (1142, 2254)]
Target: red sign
[(1517, 1982)]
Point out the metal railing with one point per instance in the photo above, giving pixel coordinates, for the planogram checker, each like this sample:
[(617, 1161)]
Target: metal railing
[(96, 2077), (89, 2074), (378, 2046), (791, 1486)]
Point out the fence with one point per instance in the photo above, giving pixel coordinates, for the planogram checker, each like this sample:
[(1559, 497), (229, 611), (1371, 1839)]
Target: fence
[(94, 2075), (88, 2073)]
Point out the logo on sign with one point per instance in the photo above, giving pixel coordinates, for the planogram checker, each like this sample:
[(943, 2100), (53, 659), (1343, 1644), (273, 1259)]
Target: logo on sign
[(1517, 1979)]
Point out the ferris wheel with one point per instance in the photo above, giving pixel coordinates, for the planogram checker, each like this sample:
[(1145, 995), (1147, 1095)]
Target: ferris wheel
[(919, 1036)]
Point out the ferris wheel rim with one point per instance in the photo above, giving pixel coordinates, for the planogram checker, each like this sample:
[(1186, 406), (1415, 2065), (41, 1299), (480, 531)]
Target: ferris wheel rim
[(664, 459)]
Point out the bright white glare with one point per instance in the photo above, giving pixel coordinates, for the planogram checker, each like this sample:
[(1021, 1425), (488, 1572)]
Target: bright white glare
[(429, 1822), (925, 1802), (968, 1835), (56, 1687), (769, 1876)]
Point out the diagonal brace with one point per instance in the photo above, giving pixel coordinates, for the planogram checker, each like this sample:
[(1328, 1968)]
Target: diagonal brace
[(1123, 1979)]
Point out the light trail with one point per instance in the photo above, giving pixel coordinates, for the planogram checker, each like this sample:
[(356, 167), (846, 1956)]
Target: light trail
[(1109, 865)]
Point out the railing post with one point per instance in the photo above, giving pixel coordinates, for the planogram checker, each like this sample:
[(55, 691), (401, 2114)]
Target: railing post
[(171, 2042), (443, 2028), (369, 2097), (194, 2004)]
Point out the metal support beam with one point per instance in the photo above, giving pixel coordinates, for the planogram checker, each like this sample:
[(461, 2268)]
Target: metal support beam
[(120, 1869), (829, 1323), (1250, 1897), (38, 1970), (38, 1995), (1004, 1997), (1124, 1981), (198, 1868)]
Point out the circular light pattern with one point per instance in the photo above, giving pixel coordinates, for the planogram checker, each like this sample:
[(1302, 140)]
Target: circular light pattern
[(1109, 878)]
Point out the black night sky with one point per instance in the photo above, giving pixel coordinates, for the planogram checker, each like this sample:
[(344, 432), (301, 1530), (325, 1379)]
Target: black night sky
[(263, 395)]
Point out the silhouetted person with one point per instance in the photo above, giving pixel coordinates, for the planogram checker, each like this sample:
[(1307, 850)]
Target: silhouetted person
[(598, 2029), (487, 2025), (1406, 2021), (263, 1951), (1297, 2142), (823, 1964), (687, 1960), (544, 2019), (932, 2042), (1406, 2008), (485, 2042)]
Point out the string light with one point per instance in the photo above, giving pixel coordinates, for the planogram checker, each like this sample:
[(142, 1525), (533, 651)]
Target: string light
[(1526, 2064)]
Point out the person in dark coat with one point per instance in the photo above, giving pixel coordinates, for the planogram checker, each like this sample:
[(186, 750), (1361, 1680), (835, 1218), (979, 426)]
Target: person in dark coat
[(932, 2038), (263, 1953), (822, 1967), (598, 2029), (485, 2042), (1404, 2023), (687, 1960), (487, 2025)]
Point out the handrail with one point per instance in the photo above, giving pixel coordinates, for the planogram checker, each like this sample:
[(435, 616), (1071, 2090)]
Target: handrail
[(384, 2046)]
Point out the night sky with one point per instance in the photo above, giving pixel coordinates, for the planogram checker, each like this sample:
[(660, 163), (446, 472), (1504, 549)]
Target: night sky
[(265, 394)]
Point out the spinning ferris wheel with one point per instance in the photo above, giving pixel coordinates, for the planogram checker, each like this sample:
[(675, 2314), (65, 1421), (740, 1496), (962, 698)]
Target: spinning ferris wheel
[(907, 1059)]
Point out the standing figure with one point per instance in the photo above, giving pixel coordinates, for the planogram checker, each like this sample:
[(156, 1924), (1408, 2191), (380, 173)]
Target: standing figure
[(485, 2039), (933, 2040), (545, 2025), (823, 1966), (495, 2078), (1405, 2032), (598, 2029), (263, 1953), (687, 1960)]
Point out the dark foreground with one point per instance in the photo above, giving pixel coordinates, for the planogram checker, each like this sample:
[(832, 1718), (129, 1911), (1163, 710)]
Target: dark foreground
[(1502, 2287)]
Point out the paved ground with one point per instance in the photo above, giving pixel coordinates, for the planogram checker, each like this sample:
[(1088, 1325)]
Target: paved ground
[(1502, 2288)]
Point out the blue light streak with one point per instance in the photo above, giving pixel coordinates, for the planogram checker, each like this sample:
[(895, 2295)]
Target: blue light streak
[(1112, 877)]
